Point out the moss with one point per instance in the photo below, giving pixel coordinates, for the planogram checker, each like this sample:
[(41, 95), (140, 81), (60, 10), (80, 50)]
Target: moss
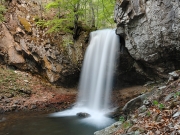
[(25, 23)]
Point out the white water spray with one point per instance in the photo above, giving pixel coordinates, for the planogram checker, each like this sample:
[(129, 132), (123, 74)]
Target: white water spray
[(96, 77), (97, 72)]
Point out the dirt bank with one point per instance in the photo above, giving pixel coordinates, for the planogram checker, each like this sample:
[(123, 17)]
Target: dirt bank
[(21, 91)]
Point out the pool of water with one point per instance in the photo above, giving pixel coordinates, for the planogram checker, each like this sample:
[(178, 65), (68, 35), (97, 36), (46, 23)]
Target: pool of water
[(43, 124)]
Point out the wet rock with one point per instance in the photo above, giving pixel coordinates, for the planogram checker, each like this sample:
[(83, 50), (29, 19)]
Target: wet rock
[(83, 115)]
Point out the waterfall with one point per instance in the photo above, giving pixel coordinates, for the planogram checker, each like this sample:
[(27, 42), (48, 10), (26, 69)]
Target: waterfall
[(97, 71), (96, 77)]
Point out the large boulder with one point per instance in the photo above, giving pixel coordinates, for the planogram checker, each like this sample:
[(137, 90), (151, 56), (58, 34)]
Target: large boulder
[(151, 30)]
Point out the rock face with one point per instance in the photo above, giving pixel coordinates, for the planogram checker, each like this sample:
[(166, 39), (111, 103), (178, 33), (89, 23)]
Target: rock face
[(28, 47), (151, 30)]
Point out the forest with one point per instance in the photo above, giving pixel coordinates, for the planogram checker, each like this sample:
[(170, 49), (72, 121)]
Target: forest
[(93, 13)]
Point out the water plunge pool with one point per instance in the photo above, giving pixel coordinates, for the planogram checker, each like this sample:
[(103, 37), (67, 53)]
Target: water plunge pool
[(38, 123)]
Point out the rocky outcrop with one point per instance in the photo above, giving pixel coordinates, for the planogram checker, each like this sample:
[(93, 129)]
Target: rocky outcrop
[(24, 45), (151, 31), (159, 109)]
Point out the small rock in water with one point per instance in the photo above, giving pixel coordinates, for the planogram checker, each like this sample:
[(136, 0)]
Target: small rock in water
[(83, 115)]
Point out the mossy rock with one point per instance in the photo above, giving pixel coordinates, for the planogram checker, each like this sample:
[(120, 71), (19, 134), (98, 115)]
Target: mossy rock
[(25, 23)]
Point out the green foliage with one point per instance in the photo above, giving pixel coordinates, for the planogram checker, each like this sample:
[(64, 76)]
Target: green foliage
[(93, 13), (105, 13), (148, 113), (67, 42), (2, 11), (55, 25), (155, 102), (177, 94), (159, 105), (65, 14), (122, 119)]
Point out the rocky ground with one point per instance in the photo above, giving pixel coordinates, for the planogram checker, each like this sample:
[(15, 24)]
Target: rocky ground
[(157, 112), (21, 91)]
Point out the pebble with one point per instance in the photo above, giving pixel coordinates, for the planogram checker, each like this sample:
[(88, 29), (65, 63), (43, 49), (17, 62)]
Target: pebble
[(16, 102), (7, 100), (33, 107), (174, 74), (142, 109), (26, 81), (169, 97), (14, 107), (146, 102), (10, 95), (177, 114), (161, 88)]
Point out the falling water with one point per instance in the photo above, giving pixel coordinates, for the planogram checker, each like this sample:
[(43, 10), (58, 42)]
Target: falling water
[(97, 75), (97, 72)]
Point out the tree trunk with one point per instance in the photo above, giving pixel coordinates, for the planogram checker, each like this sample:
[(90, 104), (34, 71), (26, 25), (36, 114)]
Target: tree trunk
[(76, 17)]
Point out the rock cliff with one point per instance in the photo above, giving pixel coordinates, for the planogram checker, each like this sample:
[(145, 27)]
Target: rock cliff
[(28, 47), (151, 30)]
